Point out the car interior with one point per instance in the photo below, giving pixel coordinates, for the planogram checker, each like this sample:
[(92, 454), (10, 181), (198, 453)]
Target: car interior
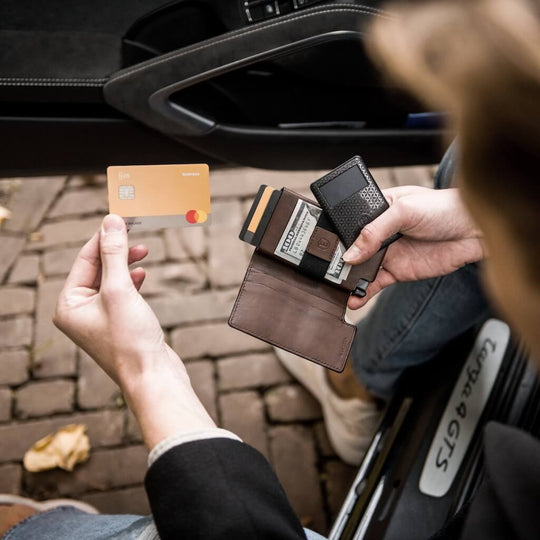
[(283, 84)]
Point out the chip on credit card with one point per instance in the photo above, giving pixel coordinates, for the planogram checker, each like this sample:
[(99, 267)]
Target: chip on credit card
[(259, 215), (160, 196)]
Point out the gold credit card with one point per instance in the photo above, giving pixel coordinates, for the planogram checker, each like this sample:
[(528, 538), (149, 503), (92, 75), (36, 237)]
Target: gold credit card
[(160, 196), (259, 214)]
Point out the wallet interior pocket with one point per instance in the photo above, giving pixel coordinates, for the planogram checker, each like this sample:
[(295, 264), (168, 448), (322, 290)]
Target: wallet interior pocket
[(283, 288), (282, 315)]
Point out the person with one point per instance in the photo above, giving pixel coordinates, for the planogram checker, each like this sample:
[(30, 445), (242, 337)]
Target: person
[(481, 61)]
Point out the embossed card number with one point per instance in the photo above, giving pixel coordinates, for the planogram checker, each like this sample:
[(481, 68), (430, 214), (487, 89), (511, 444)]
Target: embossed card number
[(464, 409)]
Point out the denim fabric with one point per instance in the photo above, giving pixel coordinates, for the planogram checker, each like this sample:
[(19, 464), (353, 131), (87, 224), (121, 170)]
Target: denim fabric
[(412, 321), (67, 523)]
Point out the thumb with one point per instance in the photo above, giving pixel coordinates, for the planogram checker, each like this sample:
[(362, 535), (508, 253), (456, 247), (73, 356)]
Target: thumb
[(372, 236), (114, 254)]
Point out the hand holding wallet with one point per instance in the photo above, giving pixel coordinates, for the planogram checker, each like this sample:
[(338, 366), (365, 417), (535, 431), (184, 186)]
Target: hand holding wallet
[(295, 291)]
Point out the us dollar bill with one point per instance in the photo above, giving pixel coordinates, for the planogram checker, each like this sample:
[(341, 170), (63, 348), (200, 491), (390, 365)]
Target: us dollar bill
[(294, 240)]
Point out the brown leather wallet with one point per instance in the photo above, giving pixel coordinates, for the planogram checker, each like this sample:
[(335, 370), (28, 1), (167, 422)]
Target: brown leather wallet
[(282, 303)]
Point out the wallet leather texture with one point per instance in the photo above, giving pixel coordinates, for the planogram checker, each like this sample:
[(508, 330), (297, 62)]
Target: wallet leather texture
[(294, 312)]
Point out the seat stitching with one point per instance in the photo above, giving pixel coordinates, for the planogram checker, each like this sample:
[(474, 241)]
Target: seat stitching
[(349, 9)]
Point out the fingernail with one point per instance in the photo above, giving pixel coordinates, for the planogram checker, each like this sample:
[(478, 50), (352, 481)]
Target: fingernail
[(113, 223), (352, 254)]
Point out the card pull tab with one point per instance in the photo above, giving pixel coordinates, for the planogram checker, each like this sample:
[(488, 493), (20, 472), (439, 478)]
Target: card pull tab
[(322, 244), (319, 251)]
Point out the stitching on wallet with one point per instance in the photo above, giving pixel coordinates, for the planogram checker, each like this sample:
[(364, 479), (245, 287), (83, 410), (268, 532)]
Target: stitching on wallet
[(263, 26)]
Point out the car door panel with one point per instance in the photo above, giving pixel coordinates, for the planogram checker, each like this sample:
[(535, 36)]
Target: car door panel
[(294, 91)]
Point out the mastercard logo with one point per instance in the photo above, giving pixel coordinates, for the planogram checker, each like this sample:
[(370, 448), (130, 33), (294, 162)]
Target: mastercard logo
[(196, 216)]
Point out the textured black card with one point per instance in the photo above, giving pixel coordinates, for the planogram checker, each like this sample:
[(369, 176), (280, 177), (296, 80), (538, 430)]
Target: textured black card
[(350, 197)]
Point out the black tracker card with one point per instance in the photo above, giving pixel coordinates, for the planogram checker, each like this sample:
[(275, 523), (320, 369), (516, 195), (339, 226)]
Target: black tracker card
[(351, 199)]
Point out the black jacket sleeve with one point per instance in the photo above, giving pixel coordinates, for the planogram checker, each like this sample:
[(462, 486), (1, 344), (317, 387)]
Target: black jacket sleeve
[(218, 488)]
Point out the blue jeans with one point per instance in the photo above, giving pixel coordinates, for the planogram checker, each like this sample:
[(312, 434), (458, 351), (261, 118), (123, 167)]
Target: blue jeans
[(67, 523), (412, 321)]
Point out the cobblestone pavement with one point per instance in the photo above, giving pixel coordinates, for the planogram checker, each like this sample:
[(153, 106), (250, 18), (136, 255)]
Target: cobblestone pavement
[(193, 276)]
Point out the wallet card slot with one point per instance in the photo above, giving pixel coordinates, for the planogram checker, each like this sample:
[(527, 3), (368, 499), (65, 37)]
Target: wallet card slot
[(268, 310), (280, 286)]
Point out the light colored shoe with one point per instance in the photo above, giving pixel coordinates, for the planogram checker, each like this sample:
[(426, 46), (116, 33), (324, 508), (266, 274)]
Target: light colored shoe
[(350, 423), (43, 506)]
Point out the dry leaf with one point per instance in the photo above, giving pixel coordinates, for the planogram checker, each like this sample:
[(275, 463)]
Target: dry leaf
[(64, 449), (4, 214)]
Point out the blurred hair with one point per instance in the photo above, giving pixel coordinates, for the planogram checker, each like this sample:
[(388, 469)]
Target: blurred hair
[(479, 60)]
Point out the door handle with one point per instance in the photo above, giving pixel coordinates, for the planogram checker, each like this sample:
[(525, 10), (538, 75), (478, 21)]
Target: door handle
[(143, 91)]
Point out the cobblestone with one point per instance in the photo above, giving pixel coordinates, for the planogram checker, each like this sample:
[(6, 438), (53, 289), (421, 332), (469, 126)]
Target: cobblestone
[(44, 398), (227, 261), (243, 414), (323, 442), (25, 271), (384, 177), (11, 247), (85, 180), (29, 203), (16, 332), (54, 353), (177, 309), (419, 176), (10, 478), (5, 404), (155, 245), (16, 300), (227, 214), (339, 478), (245, 182), (83, 201), (294, 458), (59, 261), (251, 370), (133, 431), (182, 244), (72, 231), (291, 403), (216, 339), (104, 429), (170, 278), (106, 469), (14, 366)]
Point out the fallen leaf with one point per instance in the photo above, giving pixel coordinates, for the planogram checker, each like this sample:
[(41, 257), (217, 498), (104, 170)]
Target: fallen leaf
[(64, 449), (4, 214)]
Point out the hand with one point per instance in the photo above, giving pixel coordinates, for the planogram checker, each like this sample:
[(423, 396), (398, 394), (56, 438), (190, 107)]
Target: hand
[(101, 310), (438, 238), (100, 307)]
